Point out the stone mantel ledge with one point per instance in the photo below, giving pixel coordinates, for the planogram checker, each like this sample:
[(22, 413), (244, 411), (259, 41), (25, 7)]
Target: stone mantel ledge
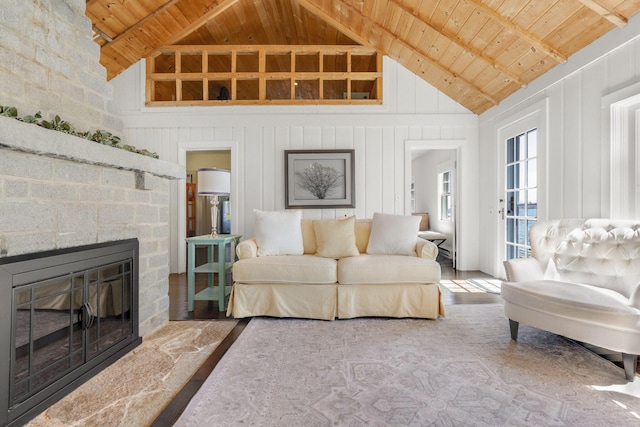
[(34, 139)]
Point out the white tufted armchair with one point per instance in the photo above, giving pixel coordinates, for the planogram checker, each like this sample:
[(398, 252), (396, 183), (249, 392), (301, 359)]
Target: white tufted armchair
[(582, 282)]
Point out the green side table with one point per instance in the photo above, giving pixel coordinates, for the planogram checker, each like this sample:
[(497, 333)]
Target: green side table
[(219, 266)]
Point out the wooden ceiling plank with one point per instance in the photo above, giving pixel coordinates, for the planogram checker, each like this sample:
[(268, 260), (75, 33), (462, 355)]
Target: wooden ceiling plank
[(416, 31), (459, 17), (606, 12), (441, 13), (462, 43), (555, 18), (265, 18), (212, 13), (535, 41), (144, 20), (102, 18), (597, 27), (395, 45)]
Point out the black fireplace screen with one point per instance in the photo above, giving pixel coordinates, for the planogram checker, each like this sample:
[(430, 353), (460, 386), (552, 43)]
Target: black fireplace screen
[(72, 313)]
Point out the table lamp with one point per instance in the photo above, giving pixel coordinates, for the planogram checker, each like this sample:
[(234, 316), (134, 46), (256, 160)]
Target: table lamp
[(214, 182)]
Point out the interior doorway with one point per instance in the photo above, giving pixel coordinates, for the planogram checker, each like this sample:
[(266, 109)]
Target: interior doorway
[(434, 192), (201, 150), (220, 159)]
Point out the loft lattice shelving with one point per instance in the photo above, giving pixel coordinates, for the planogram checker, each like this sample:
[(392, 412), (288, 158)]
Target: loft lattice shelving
[(265, 74)]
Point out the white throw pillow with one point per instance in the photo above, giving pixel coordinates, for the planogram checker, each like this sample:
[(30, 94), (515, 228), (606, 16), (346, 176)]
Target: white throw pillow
[(393, 234), (278, 233)]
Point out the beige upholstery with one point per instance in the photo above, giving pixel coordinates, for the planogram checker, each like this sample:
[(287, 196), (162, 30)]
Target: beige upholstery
[(310, 286), (284, 300), (380, 269), (398, 300), (582, 282), (301, 269)]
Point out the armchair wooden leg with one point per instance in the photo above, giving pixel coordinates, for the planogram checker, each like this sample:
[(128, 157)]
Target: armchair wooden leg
[(629, 362), (513, 325)]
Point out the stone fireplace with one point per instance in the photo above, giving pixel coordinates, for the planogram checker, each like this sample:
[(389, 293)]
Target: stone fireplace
[(59, 191)]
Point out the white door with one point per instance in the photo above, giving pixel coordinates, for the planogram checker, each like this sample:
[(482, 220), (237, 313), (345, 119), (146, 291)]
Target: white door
[(521, 147), (520, 210)]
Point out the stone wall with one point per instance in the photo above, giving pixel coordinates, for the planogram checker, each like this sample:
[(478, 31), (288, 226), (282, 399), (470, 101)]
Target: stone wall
[(49, 63), (58, 191)]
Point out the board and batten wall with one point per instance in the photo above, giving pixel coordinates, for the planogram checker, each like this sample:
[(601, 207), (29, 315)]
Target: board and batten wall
[(574, 156), (413, 112)]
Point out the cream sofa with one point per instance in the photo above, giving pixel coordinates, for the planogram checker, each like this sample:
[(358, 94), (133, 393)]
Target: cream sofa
[(582, 282), (321, 287)]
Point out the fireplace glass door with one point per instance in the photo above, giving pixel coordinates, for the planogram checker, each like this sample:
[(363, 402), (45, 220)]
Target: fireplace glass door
[(63, 322)]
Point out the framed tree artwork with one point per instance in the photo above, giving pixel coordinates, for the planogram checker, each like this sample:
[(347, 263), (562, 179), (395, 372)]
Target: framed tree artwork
[(316, 179)]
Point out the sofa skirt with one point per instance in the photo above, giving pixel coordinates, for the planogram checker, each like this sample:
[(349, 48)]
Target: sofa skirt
[(423, 300), (311, 301), (331, 301)]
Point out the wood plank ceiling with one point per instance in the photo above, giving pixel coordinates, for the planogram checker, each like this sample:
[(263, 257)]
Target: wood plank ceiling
[(477, 52)]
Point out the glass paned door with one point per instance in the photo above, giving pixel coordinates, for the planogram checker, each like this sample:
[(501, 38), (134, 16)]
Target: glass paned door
[(521, 195)]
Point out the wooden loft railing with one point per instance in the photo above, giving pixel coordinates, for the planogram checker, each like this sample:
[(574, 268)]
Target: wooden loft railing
[(264, 75)]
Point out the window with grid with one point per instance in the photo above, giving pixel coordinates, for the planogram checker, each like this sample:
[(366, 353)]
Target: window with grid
[(446, 199), (521, 194)]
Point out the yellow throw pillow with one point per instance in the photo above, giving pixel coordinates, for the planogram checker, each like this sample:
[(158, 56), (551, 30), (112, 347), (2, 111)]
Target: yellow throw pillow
[(336, 238)]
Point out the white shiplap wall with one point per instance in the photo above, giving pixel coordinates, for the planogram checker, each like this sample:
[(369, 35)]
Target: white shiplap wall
[(575, 163), (257, 136)]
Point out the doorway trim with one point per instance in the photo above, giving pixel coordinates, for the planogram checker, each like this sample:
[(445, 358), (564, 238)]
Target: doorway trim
[(459, 146), (533, 116), (621, 125), (235, 199)]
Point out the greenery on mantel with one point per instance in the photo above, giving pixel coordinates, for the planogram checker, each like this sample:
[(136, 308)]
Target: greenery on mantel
[(100, 136)]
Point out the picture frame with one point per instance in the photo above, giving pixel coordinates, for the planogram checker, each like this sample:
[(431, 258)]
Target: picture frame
[(319, 179)]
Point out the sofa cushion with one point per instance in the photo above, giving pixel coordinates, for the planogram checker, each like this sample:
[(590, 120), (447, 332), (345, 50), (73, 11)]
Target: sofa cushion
[(363, 232), (278, 233), (379, 269), (286, 269), (308, 237), (393, 234), (573, 301), (362, 229), (336, 238)]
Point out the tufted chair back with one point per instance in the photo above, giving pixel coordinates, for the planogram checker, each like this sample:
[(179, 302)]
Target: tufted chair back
[(598, 252)]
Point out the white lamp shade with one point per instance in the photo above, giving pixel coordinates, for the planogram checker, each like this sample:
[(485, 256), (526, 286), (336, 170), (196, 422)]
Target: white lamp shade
[(214, 181)]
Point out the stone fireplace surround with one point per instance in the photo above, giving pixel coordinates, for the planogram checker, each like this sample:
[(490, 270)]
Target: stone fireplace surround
[(59, 191)]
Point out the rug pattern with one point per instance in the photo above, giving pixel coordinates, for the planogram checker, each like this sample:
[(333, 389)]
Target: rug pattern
[(457, 371)]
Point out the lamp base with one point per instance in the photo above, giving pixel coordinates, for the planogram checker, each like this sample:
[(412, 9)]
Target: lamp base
[(214, 216)]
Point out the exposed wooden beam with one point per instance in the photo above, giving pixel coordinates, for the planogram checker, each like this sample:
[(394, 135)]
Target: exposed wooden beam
[(142, 22), (317, 10), (606, 12), (101, 33), (535, 41), (458, 41), (216, 10)]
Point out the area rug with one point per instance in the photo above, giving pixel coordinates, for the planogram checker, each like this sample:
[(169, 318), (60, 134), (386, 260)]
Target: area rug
[(462, 370), (136, 388)]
